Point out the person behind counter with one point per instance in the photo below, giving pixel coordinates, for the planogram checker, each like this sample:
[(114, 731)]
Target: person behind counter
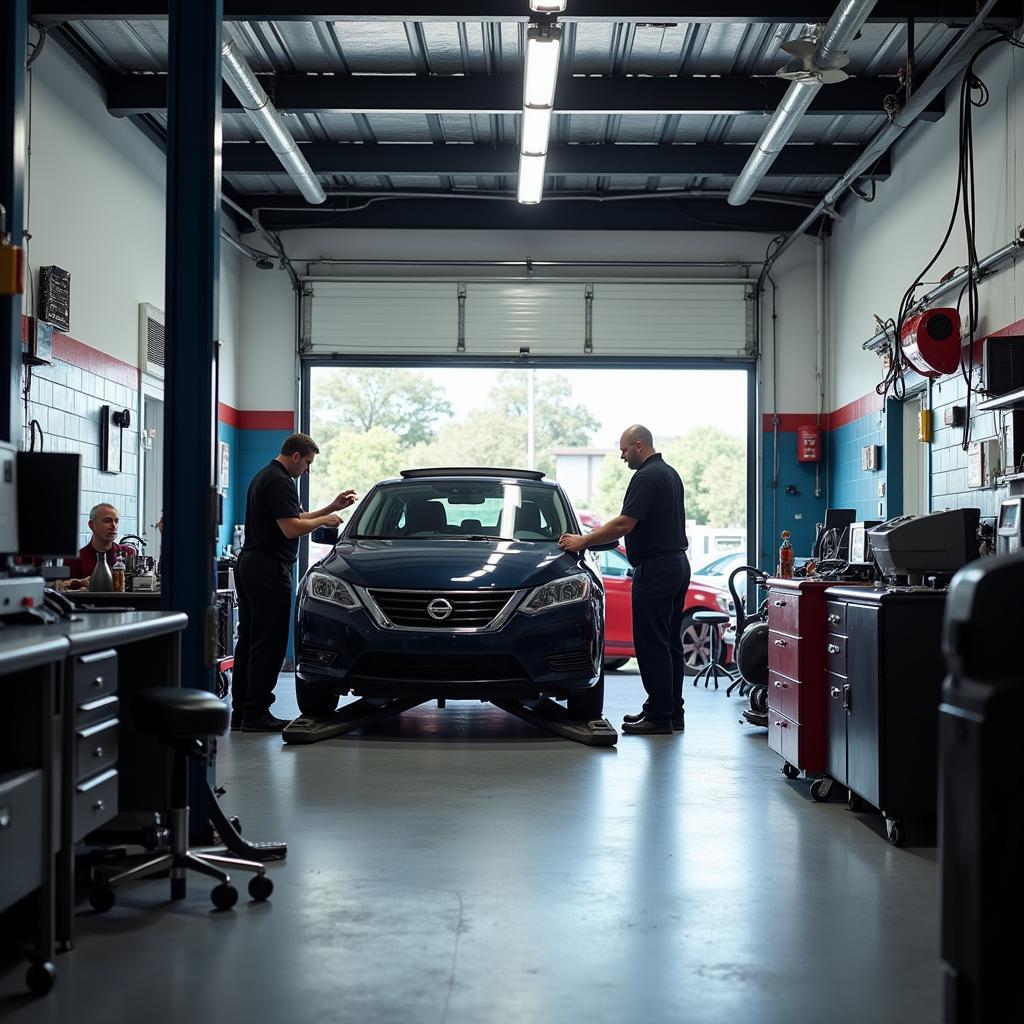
[(103, 522)]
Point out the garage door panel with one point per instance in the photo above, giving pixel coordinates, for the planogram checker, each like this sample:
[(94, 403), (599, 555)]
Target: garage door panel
[(670, 319), (710, 319), (549, 318), (384, 317)]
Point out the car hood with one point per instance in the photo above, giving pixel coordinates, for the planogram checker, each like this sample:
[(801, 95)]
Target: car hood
[(441, 564)]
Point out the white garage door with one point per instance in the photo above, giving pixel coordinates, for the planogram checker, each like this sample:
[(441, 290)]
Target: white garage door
[(707, 319)]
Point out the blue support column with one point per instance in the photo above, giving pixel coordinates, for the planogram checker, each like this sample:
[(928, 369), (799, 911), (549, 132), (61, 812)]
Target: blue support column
[(190, 299), (13, 50)]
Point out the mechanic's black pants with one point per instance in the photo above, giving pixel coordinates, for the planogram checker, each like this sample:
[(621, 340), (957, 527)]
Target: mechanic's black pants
[(264, 613), (659, 592)]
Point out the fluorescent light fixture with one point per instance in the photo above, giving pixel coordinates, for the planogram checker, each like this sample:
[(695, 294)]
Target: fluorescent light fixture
[(536, 129), (548, 6), (531, 178), (542, 51)]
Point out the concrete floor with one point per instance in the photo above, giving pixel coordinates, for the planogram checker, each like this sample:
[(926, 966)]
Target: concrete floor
[(459, 866)]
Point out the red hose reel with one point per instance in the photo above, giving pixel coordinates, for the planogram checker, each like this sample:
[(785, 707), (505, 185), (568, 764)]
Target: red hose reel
[(931, 341)]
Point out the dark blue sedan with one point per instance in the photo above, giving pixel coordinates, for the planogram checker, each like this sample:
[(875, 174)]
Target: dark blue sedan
[(449, 584)]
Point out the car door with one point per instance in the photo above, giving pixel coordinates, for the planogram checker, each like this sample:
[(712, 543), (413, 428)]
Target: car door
[(618, 589)]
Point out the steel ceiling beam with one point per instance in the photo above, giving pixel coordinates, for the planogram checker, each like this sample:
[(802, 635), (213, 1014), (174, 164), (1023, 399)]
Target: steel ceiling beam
[(131, 95), (401, 158), (645, 11), (280, 214)]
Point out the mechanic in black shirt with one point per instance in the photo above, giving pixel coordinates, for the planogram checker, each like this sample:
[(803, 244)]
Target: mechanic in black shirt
[(274, 522), (653, 521)]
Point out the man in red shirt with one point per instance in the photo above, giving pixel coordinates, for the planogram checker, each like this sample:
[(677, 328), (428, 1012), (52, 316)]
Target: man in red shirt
[(103, 521)]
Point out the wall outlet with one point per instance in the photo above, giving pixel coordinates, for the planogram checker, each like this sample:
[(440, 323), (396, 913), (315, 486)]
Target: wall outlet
[(871, 457), (881, 488)]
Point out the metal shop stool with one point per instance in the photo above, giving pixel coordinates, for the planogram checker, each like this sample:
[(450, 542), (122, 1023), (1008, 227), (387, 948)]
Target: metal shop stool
[(181, 718), (715, 667)]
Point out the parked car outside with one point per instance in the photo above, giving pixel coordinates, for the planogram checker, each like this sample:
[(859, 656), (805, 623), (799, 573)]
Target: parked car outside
[(715, 573), (618, 586), (449, 583)]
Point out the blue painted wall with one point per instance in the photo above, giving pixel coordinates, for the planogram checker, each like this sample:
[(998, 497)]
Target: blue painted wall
[(797, 512), (849, 485), (229, 434)]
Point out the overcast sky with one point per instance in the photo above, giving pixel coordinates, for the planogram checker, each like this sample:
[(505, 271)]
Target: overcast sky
[(669, 402)]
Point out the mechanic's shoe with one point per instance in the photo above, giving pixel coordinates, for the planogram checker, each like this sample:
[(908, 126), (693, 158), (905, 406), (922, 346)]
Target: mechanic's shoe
[(647, 727), (265, 723), (678, 721)]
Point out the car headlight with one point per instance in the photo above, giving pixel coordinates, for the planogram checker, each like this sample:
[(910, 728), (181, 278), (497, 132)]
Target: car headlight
[(331, 589), (552, 595)]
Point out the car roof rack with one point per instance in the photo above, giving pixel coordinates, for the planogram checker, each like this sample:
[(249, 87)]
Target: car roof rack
[(519, 474)]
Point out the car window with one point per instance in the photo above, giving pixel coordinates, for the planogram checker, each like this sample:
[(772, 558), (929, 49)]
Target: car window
[(463, 507), (613, 563)]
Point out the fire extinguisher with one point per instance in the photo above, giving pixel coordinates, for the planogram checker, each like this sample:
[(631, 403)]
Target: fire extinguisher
[(808, 443)]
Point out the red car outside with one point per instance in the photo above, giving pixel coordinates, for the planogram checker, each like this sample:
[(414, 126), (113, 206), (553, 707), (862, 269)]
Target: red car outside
[(618, 635)]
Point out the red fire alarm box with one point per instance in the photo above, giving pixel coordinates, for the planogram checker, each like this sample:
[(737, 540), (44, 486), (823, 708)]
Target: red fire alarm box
[(808, 444)]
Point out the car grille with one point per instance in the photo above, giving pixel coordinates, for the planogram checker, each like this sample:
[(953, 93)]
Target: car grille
[(448, 668), (569, 661), (472, 609)]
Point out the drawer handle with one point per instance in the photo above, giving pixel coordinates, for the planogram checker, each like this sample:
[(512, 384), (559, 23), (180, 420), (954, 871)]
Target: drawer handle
[(781, 643), (98, 682), (781, 685), (779, 604), (832, 648), (99, 805), (781, 724), (98, 752), (834, 619), (836, 692)]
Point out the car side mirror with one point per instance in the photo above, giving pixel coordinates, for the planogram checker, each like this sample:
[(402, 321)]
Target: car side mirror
[(630, 571), (610, 546), (325, 535)]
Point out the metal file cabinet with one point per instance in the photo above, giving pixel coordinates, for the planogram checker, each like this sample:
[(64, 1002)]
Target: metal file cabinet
[(884, 676), (796, 674)]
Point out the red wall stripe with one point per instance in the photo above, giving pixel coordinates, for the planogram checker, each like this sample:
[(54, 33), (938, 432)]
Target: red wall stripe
[(789, 421), (77, 353), (252, 419)]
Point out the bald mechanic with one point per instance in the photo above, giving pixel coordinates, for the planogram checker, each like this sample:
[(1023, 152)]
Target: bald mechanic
[(653, 521)]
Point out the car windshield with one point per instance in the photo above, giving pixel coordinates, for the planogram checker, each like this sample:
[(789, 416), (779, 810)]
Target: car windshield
[(462, 508), (721, 565)]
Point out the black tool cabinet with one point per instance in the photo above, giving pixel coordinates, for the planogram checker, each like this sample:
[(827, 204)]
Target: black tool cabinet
[(883, 654)]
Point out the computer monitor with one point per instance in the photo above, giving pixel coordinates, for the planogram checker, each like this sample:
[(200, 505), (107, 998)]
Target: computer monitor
[(1003, 363), (49, 495), (860, 543), (833, 539), (913, 547)]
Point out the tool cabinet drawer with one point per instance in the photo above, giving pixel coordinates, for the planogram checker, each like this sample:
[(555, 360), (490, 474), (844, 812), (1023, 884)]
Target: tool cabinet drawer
[(21, 835), (835, 617), (784, 696), (95, 803), (98, 710), (784, 611), (95, 675), (95, 747), (785, 654), (784, 737), (835, 653)]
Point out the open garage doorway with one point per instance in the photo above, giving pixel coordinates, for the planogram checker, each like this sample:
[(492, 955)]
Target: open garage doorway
[(372, 421)]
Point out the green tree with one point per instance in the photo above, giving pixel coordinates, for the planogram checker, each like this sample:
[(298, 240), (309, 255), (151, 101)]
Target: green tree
[(713, 467), (558, 421), (355, 459), (405, 402), (612, 481)]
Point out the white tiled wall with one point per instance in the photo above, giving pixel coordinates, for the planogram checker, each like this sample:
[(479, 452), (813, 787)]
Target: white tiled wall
[(66, 400)]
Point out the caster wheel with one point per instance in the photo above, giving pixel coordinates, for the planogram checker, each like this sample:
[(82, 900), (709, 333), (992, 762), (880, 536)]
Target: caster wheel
[(820, 790), (41, 977), (260, 887), (854, 802), (790, 770), (224, 896), (155, 836), (895, 831), (101, 898)]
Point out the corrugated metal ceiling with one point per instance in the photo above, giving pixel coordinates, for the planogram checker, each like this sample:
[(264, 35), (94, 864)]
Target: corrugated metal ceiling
[(386, 49)]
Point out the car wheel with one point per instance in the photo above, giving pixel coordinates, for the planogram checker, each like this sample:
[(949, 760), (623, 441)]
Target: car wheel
[(696, 644), (588, 704), (613, 664), (313, 699)]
